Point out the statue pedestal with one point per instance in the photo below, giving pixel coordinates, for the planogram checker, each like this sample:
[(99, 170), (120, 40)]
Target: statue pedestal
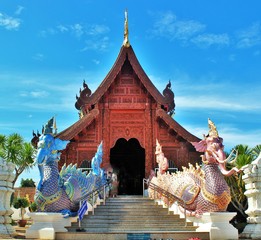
[(45, 225), (217, 224)]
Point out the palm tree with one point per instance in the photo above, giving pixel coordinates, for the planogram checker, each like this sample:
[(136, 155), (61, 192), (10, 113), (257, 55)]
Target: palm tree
[(14, 149), (245, 156)]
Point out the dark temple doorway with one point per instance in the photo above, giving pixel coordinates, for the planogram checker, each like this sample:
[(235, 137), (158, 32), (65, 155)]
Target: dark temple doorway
[(127, 159)]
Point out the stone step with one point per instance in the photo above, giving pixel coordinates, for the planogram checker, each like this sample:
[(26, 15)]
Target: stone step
[(130, 214), (175, 235), (131, 223), (106, 229), (133, 218), (147, 211)]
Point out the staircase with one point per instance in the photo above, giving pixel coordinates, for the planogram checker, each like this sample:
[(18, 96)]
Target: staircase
[(132, 217)]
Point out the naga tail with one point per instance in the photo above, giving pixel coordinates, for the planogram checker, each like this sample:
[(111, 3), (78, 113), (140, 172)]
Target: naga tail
[(76, 183)]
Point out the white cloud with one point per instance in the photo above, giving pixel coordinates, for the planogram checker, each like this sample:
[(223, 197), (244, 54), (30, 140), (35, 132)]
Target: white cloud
[(97, 62), (77, 30), (97, 29), (249, 37), (167, 25), (96, 33), (34, 94), (215, 103), (233, 137), (96, 44), (207, 40), (39, 94), (48, 31), (62, 28), (38, 57), (9, 23), (19, 10)]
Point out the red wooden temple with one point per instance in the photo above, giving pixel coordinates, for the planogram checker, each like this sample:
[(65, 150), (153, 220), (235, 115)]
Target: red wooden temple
[(127, 113)]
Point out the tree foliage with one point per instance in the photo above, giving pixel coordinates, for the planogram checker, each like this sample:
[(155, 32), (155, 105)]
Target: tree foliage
[(14, 149), (245, 155), (27, 182)]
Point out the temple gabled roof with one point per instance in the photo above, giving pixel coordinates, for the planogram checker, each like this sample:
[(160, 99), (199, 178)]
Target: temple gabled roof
[(77, 127), (126, 54), (86, 120), (176, 127)]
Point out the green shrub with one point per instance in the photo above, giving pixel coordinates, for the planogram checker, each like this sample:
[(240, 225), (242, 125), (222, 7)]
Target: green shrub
[(27, 182), (21, 203), (33, 207)]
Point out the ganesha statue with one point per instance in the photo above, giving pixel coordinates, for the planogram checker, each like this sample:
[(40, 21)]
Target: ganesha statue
[(201, 189)]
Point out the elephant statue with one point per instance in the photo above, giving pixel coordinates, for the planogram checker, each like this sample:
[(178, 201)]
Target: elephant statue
[(201, 189)]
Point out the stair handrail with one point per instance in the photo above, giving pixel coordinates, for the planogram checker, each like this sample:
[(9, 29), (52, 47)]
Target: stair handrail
[(95, 192), (167, 194)]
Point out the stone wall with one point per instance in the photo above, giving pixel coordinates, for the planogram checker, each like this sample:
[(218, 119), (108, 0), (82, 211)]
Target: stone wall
[(25, 192)]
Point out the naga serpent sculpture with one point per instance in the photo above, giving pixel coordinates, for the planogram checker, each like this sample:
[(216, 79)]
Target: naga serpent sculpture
[(62, 191), (202, 189)]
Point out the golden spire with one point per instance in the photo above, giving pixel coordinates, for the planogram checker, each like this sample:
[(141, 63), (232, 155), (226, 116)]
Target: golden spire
[(126, 42)]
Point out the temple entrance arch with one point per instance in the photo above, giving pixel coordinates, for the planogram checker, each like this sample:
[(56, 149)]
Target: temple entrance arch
[(128, 159)]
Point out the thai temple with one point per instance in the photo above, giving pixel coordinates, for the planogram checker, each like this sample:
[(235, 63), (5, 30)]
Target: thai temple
[(128, 113)]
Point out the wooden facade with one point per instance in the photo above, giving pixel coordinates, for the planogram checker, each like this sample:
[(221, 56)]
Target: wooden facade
[(127, 113)]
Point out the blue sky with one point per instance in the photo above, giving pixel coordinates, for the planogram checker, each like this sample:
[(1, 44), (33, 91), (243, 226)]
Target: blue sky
[(210, 50)]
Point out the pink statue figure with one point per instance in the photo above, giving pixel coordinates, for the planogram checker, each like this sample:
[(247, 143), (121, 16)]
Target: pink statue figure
[(114, 185), (161, 159), (200, 189)]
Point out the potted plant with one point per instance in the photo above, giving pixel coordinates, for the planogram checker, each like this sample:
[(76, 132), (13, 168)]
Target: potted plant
[(32, 207), (21, 203)]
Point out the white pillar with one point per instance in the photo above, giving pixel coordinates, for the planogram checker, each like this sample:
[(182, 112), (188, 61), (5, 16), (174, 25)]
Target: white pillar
[(6, 189), (252, 179)]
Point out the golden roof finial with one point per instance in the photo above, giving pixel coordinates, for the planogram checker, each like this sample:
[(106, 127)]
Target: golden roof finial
[(212, 129), (126, 42)]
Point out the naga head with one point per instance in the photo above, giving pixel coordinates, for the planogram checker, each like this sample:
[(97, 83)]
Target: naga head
[(48, 146), (212, 146)]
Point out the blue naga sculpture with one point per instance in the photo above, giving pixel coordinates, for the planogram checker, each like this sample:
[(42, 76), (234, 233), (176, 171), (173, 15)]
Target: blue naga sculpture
[(62, 191)]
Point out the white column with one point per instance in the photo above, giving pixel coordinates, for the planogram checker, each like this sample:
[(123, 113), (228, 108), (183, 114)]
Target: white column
[(252, 179), (6, 189)]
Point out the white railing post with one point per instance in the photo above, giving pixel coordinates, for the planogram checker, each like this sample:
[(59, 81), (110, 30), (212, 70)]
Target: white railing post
[(104, 194), (154, 195), (79, 218), (185, 213), (92, 203), (168, 206), (143, 188)]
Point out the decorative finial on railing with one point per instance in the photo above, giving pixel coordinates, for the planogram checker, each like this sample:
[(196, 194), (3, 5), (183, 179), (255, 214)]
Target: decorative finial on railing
[(126, 42)]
